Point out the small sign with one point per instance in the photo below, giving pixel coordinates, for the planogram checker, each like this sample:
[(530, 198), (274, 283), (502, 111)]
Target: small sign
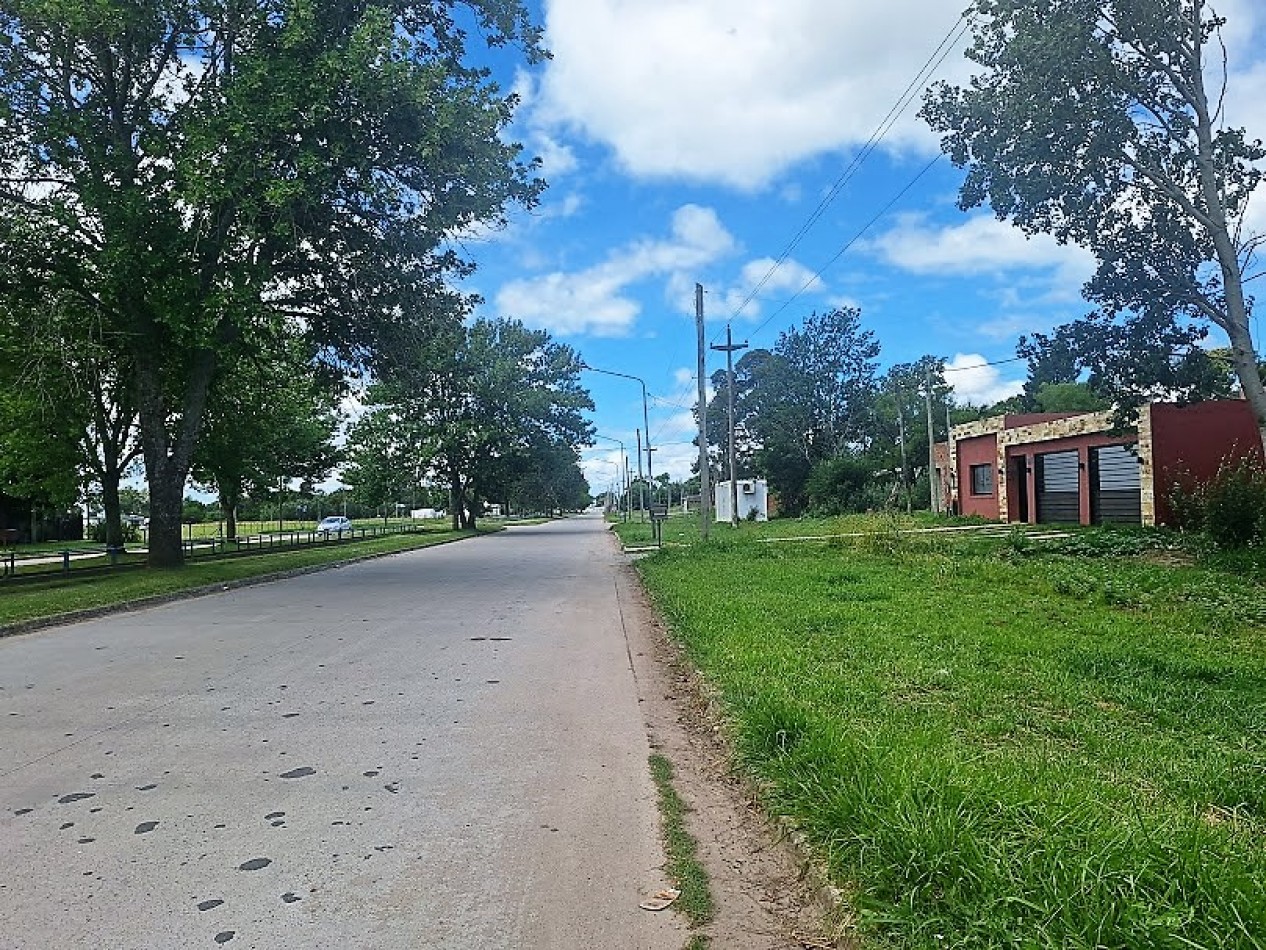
[(659, 511)]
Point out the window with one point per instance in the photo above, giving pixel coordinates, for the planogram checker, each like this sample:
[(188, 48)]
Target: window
[(982, 479)]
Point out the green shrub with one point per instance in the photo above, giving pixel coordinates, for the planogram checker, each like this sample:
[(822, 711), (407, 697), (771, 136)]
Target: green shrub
[(847, 485), (1230, 508), (130, 534)]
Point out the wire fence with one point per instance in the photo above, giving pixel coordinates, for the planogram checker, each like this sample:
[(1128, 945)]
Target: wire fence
[(79, 560)]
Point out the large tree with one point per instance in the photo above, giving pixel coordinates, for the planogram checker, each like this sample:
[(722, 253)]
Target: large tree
[(475, 411), (807, 400), (1125, 363), (1096, 121), (271, 419), (70, 401), (197, 173)]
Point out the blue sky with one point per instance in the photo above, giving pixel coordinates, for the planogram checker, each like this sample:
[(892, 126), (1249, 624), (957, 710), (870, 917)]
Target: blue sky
[(690, 140)]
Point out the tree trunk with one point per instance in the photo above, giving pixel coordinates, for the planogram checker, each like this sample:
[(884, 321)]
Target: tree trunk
[(1244, 359), (113, 509), (166, 504), (1243, 354), (228, 508), (456, 502), (167, 460)]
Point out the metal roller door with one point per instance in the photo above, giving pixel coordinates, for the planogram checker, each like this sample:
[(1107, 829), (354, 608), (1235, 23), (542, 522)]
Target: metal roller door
[(1116, 495), (1058, 488)]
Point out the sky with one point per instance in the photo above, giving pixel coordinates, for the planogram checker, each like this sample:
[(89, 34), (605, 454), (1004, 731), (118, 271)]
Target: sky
[(698, 141)]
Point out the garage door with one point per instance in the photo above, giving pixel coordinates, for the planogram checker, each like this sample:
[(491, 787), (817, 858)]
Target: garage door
[(1116, 488), (1058, 488)]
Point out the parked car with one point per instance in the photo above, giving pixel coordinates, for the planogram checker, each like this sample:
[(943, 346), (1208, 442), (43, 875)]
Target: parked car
[(334, 524)]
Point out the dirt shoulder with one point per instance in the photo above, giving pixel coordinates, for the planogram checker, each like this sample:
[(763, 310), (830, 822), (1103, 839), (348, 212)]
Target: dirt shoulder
[(767, 897)]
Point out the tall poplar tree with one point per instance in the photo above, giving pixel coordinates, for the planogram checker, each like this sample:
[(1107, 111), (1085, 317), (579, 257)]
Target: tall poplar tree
[(1101, 122)]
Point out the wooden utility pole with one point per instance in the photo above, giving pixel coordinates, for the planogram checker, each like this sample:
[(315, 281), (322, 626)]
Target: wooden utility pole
[(728, 350), (642, 498), (705, 494), (905, 464), (951, 473), (933, 487)]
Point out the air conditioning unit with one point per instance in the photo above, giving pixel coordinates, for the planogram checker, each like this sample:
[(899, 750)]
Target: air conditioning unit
[(749, 488)]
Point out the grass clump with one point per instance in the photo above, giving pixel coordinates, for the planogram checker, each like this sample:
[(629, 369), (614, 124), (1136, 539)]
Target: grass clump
[(683, 865), (1054, 750)]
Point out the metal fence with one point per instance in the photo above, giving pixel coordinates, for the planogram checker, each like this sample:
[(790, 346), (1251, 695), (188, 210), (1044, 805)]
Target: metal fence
[(84, 561)]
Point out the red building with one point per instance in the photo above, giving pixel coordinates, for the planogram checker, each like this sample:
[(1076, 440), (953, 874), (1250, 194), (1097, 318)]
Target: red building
[(1078, 468)]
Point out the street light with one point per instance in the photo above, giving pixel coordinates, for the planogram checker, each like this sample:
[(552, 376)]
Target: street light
[(624, 486), (646, 422)]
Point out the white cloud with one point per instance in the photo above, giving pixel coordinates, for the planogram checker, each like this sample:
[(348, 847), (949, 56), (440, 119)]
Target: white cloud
[(789, 278), (736, 91), (603, 469), (557, 158), (978, 384), (594, 301), (980, 245), (1010, 326)]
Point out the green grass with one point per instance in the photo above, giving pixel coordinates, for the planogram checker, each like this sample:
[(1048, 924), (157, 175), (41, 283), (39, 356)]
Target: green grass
[(32, 600), (684, 529), (994, 746), (683, 865)]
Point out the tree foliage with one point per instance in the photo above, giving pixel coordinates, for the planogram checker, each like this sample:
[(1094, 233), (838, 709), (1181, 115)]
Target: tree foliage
[(196, 176), (1093, 121), (271, 418), (481, 411), (807, 400), (69, 417), (1126, 363)]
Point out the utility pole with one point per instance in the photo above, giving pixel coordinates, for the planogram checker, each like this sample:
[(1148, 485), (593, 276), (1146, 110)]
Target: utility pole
[(642, 484), (628, 487), (933, 487), (905, 465), (728, 350), (951, 474), (705, 495)]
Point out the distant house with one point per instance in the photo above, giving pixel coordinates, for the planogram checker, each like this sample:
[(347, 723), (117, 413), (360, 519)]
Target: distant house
[(1078, 468)]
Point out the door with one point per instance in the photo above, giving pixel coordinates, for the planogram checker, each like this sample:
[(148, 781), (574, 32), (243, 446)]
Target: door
[(1116, 492), (1020, 485), (1058, 488)]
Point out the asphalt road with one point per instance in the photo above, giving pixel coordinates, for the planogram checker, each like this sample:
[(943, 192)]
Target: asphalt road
[(438, 749)]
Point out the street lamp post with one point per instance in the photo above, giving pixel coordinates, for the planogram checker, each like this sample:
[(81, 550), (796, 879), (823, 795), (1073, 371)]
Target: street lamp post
[(646, 422), (624, 474)]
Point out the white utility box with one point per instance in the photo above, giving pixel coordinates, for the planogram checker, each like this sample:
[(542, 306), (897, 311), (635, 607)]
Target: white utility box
[(753, 496)]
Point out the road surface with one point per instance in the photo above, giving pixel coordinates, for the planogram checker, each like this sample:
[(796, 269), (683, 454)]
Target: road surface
[(437, 749)]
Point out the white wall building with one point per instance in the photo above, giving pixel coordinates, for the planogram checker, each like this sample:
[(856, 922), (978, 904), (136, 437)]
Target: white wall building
[(753, 496)]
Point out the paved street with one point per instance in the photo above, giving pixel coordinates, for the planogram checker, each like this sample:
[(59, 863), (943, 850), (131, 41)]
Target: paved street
[(438, 749)]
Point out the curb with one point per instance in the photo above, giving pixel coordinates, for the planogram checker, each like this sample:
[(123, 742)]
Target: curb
[(158, 600)]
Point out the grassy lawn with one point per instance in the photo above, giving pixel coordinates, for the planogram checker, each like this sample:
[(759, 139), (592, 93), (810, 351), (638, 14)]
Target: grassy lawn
[(684, 529), (994, 744), (32, 600)]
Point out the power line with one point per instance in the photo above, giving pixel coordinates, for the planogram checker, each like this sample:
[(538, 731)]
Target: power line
[(964, 369), (934, 61), (847, 247), (898, 109)]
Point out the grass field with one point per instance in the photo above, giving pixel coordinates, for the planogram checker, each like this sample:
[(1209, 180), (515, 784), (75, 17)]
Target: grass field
[(47, 599), (992, 743)]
